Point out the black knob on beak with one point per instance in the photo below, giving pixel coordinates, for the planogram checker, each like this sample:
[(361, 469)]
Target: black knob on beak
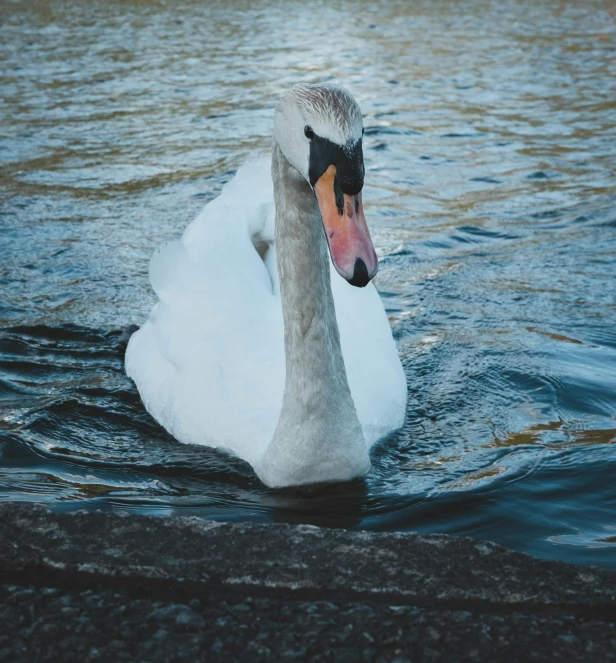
[(360, 274)]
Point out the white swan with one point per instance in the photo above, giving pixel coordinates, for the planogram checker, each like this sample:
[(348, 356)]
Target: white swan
[(239, 294)]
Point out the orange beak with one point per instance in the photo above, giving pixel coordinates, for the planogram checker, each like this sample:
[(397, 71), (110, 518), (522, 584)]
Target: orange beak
[(347, 234)]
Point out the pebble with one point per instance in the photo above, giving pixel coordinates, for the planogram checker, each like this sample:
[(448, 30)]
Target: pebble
[(190, 620), (20, 596), (50, 629), (241, 607), (346, 655), (48, 591), (433, 634), (67, 599), (166, 612)]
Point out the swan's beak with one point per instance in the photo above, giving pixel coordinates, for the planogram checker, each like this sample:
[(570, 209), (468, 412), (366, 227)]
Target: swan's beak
[(345, 226)]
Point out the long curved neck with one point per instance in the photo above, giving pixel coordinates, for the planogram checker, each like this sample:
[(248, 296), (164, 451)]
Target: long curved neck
[(312, 342), (318, 437)]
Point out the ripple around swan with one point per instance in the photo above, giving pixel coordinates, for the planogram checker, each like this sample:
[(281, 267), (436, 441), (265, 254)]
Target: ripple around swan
[(491, 200), (81, 437)]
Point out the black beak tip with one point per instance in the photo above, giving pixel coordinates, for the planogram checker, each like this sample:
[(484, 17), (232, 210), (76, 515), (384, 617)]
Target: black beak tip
[(360, 274)]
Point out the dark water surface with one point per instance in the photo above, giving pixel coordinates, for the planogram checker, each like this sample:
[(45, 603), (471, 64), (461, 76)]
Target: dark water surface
[(491, 193)]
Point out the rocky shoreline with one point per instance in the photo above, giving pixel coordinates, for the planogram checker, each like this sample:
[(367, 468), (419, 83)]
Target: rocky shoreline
[(93, 586)]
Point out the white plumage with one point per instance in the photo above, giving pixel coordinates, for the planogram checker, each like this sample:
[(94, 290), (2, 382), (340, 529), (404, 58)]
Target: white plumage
[(209, 362)]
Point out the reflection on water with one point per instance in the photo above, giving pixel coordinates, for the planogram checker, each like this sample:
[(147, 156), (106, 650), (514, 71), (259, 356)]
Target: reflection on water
[(490, 159)]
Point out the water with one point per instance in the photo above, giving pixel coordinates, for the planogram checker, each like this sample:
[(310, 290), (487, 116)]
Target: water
[(490, 152)]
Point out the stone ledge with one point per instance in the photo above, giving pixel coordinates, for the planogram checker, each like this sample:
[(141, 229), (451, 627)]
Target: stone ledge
[(396, 585)]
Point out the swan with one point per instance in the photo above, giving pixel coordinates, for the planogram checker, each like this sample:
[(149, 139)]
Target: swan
[(261, 345)]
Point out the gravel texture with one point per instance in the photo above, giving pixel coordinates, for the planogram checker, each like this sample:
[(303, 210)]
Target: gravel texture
[(107, 587)]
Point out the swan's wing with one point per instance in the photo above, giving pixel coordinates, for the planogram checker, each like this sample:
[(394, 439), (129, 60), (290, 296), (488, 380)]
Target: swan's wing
[(209, 361)]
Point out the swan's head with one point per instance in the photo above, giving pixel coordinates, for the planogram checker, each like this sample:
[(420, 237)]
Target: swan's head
[(319, 129)]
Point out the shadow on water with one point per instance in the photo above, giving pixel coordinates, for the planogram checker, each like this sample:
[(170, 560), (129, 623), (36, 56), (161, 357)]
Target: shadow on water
[(340, 505), (491, 199)]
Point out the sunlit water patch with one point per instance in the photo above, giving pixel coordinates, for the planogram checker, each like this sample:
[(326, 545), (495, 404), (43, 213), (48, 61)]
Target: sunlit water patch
[(491, 197)]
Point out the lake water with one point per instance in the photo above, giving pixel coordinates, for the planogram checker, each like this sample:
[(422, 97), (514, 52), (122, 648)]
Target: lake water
[(490, 150)]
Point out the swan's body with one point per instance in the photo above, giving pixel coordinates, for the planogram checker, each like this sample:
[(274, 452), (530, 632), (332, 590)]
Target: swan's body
[(232, 356)]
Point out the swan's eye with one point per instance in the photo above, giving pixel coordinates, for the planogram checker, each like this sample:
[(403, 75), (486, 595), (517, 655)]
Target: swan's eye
[(308, 132)]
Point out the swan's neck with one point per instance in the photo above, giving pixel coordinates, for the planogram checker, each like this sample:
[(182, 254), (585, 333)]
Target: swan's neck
[(318, 437), (314, 364)]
